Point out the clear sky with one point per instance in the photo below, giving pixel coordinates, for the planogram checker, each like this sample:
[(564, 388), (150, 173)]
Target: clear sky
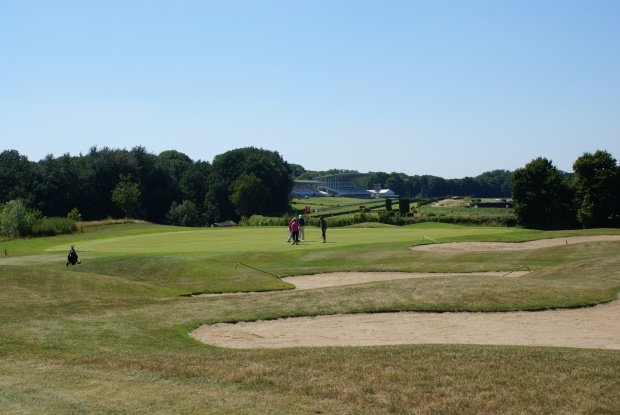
[(441, 87)]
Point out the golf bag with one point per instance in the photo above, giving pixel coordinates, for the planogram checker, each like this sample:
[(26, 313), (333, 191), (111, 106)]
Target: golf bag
[(72, 258)]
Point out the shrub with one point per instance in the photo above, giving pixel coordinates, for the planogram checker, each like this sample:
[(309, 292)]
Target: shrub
[(259, 220), (404, 206), (53, 226), (75, 215), (185, 214), (17, 220)]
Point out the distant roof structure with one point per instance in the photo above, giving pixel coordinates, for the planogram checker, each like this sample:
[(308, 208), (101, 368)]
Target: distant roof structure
[(351, 174), (343, 184)]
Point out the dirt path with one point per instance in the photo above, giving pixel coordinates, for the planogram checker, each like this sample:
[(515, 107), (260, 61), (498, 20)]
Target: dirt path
[(593, 327)]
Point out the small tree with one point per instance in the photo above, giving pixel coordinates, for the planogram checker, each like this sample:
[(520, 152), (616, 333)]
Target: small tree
[(17, 220), (75, 215), (542, 196), (185, 214), (585, 213), (126, 195)]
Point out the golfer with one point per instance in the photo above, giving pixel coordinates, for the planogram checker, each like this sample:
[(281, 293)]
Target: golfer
[(295, 231), (323, 226), (290, 231), (302, 227)]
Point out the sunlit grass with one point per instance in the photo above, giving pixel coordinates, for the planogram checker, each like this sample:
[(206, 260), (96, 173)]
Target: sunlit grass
[(111, 335)]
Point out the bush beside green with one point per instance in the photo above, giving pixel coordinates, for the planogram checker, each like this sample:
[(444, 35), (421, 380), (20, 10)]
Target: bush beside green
[(18, 221), (53, 226)]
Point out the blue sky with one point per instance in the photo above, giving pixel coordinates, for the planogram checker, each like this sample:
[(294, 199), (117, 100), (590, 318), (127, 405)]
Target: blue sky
[(446, 88)]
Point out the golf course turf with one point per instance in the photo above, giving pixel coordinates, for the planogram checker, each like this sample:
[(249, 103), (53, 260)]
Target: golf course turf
[(112, 335)]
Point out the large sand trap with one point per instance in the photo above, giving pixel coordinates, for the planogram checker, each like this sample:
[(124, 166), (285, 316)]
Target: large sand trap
[(593, 327), (508, 246)]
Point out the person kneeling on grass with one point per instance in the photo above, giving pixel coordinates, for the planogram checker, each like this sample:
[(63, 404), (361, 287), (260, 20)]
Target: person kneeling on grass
[(72, 258)]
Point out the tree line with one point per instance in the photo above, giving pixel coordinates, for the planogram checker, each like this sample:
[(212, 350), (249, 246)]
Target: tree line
[(171, 188), (546, 198), (168, 188)]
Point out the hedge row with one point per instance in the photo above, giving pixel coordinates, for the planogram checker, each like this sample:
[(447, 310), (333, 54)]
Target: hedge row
[(387, 217)]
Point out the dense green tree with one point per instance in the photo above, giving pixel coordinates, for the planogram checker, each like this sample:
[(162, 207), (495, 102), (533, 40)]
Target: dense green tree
[(74, 215), (16, 174), (184, 214), (414, 186), (490, 184), (56, 189), (16, 219), (465, 187), (195, 182), (97, 176), (423, 187), (175, 165), (217, 204), (250, 196), (438, 186), (376, 178), (585, 212), (396, 183), (495, 183), (159, 188), (126, 195), (222, 191), (597, 186), (268, 166), (542, 196)]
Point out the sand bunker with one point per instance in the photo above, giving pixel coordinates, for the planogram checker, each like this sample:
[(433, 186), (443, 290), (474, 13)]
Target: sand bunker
[(595, 327), (592, 327), (509, 246)]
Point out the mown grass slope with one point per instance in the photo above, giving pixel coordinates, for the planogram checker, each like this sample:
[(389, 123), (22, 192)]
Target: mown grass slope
[(110, 336)]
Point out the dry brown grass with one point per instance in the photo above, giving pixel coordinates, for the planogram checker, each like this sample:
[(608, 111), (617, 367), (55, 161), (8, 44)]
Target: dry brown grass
[(109, 221), (82, 340)]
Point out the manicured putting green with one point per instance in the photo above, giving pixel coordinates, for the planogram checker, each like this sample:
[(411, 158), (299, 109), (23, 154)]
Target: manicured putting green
[(270, 238)]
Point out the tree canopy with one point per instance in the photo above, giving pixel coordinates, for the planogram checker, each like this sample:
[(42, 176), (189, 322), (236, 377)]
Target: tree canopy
[(172, 188), (542, 196), (546, 198), (248, 180), (597, 186)]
